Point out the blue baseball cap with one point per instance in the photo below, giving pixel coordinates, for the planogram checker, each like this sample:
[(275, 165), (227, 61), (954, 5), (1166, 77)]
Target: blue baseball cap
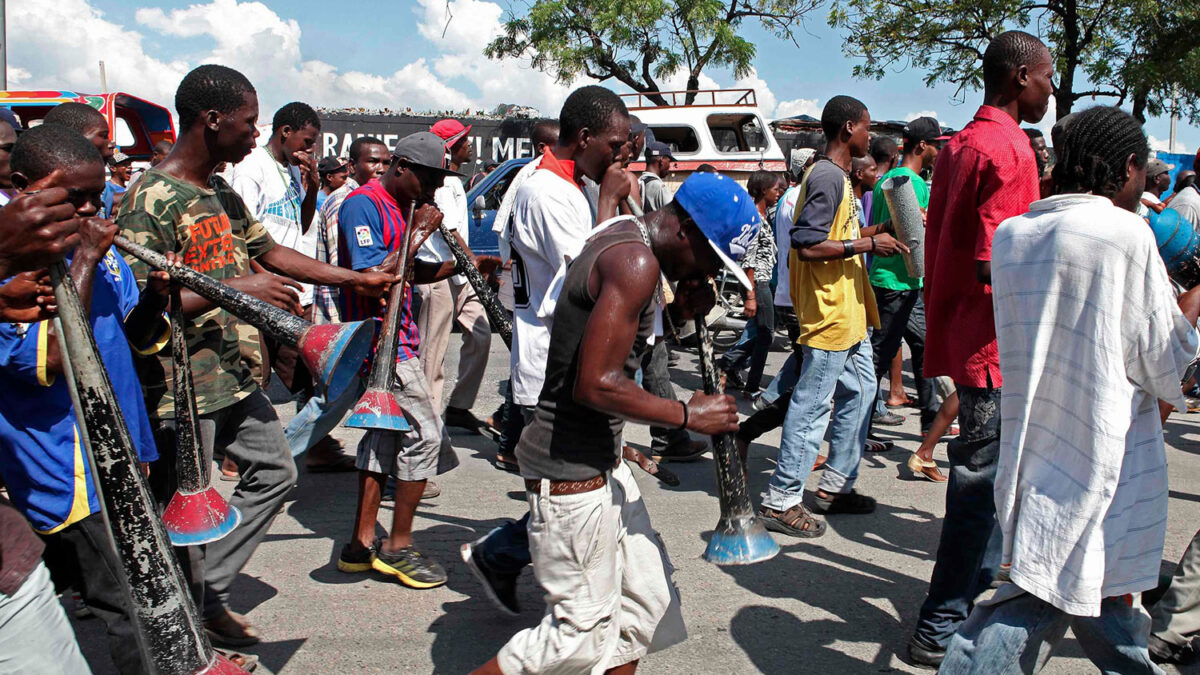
[(724, 212)]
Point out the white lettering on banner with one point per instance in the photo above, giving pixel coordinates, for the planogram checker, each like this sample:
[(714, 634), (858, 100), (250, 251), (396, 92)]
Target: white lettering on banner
[(328, 144), (523, 147), (502, 149), (390, 140)]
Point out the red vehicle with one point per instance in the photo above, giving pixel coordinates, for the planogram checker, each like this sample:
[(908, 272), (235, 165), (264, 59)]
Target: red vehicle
[(134, 124)]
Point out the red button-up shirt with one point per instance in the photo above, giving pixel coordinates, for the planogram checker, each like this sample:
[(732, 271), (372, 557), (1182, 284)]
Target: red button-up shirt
[(985, 174)]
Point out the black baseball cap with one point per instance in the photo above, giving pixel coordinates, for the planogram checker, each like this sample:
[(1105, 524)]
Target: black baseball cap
[(426, 150), (658, 149), (922, 129), (331, 164)]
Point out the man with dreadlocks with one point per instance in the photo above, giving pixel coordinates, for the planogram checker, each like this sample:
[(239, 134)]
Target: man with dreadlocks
[(1081, 482)]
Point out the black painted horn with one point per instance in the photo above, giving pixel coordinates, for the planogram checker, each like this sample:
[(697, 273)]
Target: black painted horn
[(332, 352), (491, 304), (197, 513), (169, 632)]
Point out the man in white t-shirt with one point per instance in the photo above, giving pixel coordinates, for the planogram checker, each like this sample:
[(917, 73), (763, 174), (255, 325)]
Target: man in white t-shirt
[(453, 299), (279, 184)]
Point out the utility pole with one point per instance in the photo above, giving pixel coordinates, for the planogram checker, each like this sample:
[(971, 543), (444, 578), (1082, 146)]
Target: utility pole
[(3, 46), (103, 79), (1175, 118)]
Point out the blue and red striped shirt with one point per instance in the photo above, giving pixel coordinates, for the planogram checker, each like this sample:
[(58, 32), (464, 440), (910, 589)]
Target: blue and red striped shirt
[(370, 226)]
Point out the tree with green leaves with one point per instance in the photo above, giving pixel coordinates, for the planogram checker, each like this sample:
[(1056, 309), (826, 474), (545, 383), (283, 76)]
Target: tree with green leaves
[(639, 42), (1127, 49)]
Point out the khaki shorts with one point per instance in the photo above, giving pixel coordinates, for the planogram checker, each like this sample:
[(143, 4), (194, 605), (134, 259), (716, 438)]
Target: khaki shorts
[(418, 454), (609, 595)]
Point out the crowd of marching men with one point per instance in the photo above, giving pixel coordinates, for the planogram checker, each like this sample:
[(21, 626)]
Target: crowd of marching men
[(1033, 298)]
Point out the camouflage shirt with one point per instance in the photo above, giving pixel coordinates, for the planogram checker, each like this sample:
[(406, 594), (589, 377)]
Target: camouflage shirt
[(218, 236)]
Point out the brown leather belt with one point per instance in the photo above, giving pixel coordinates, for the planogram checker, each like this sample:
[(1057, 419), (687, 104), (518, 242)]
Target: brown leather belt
[(567, 487)]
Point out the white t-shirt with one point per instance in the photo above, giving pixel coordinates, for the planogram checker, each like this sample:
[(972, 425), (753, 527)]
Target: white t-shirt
[(783, 241), (451, 200), (504, 213), (273, 193), (1187, 203), (1089, 336), (1142, 209), (551, 220)]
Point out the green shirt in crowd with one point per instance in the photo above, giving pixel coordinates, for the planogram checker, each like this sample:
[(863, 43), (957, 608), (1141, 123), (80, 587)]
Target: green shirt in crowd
[(890, 272), (218, 236)]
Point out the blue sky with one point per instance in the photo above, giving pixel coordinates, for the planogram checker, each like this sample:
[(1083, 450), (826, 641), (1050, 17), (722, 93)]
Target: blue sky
[(394, 54)]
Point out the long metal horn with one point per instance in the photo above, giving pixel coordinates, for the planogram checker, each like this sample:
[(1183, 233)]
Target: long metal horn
[(168, 628), (740, 538), (332, 352), (197, 513), (378, 407), (491, 304)]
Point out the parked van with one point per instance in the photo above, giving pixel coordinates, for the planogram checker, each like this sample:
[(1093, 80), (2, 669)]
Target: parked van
[(721, 127)]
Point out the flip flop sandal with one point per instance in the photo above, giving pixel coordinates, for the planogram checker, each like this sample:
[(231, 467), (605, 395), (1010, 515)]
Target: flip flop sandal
[(505, 464), (878, 446)]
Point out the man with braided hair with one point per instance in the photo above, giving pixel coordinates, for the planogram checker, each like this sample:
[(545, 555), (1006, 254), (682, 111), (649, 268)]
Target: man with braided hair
[(1081, 481), (986, 173)]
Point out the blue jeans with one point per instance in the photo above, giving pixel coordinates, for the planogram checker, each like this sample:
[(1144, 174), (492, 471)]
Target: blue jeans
[(841, 383), (506, 548), (970, 546), (318, 417), (1015, 632), (784, 382), (755, 343)]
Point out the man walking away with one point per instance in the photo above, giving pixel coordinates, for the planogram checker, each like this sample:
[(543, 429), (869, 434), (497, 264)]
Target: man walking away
[(986, 174), (1081, 496)]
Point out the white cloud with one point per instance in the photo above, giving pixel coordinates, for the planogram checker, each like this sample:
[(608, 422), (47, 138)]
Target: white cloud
[(44, 57), (1163, 145), (256, 40), (799, 106), (921, 113)]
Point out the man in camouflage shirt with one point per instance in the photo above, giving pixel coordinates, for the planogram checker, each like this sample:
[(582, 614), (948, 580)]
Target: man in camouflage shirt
[(181, 206)]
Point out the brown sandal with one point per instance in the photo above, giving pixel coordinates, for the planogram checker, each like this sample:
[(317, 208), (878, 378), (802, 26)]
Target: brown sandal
[(795, 522)]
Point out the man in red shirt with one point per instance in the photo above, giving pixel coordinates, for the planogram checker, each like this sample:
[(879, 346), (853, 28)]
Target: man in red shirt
[(986, 173)]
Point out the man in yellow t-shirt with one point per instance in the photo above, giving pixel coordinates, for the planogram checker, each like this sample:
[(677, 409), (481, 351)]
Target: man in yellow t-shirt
[(834, 306)]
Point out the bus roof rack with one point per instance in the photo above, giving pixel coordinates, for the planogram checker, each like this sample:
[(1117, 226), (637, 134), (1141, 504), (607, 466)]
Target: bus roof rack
[(704, 98)]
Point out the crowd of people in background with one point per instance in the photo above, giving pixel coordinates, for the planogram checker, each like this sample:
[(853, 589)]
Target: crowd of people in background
[(1045, 336)]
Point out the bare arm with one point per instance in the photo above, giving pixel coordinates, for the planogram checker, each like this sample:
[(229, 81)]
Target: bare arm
[(884, 245), (623, 281)]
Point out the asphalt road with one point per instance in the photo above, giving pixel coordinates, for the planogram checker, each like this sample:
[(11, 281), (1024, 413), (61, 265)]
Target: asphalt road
[(844, 603)]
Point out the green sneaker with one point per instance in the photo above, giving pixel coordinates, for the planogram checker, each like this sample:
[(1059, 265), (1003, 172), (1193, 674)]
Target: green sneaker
[(410, 566)]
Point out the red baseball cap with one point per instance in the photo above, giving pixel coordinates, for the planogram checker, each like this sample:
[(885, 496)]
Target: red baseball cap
[(450, 130)]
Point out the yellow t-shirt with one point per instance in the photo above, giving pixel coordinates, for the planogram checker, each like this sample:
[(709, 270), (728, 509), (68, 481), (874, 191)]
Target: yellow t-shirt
[(832, 299)]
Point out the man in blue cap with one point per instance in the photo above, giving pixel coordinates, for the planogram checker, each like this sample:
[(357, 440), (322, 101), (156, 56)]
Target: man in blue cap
[(610, 599)]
